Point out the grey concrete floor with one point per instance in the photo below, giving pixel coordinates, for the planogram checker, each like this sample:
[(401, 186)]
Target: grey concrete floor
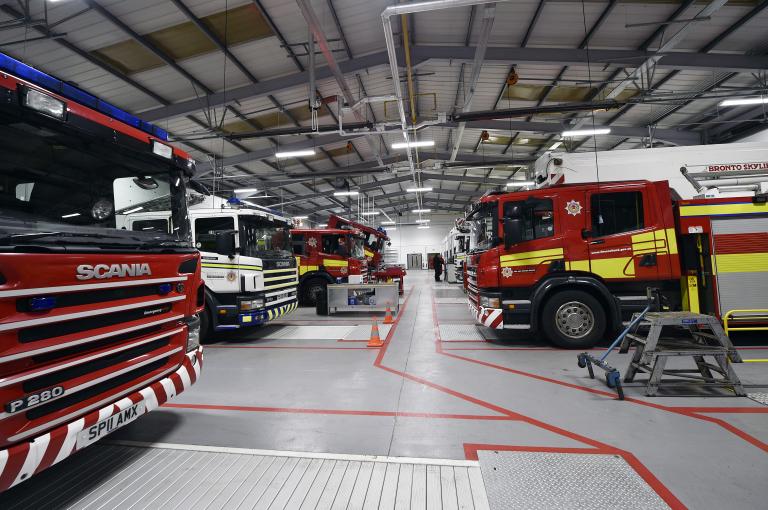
[(438, 389)]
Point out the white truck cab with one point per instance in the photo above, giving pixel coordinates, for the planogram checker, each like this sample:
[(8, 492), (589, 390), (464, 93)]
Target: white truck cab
[(249, 271)]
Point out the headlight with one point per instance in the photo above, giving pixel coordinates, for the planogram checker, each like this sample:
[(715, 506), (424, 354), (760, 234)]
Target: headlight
[(490, 302), (250, 304), (193, 333)]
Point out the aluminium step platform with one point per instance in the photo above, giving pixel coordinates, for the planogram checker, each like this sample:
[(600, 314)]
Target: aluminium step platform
[(125, 475)]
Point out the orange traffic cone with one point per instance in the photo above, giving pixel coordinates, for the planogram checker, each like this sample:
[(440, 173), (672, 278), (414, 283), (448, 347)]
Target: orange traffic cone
[(388, 319), (375, 340)]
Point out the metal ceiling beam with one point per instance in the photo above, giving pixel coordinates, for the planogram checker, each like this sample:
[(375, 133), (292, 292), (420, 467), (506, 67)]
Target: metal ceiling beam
[(489, 16), (419, 54), (317, 31)]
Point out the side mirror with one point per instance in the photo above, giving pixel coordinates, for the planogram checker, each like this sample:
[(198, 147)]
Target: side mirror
[(513, 231), (225, 243)]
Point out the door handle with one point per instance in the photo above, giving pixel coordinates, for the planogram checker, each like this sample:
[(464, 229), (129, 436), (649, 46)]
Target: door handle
[(597, 241)]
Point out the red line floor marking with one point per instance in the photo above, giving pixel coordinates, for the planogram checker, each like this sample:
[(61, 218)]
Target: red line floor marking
[(738, 432), (307, 347), (724, 410), (342, 412)]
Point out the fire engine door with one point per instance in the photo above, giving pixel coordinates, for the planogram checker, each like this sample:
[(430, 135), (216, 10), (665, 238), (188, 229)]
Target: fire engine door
[(220, 270), (622, 235)]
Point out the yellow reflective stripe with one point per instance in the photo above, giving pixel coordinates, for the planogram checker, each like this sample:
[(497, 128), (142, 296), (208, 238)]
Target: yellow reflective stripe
[(305, 269), (672, 241), (268, 271), (217, 265), (532, 254), (281, 285), (715, 209), (577, 265), (654, 241), (275, 278), (529, 262), (335, 263), (368, 253), (613, 267), (742, 263)]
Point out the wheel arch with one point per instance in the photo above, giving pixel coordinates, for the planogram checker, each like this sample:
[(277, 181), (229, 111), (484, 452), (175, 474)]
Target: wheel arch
[(588, 284)]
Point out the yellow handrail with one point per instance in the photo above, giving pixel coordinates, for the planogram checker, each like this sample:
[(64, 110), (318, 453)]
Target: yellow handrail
[(729, 316)]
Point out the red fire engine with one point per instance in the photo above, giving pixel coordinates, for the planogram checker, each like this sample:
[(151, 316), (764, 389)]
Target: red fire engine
[(574, 260), (376, 240), (327, 256), (97, 323)]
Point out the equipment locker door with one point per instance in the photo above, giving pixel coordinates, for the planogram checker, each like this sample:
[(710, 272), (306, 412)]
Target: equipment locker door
[(740, 262), (622, 236)]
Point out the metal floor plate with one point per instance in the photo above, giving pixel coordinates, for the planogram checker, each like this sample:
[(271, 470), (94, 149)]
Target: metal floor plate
[(316, 332), (453, 332), (449, 291), (550, 481), (115, 476), (759, 397), (363, 332), (451, 300)]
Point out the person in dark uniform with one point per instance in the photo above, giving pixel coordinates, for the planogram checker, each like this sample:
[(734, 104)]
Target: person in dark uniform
[(341, 248), (437, 264)]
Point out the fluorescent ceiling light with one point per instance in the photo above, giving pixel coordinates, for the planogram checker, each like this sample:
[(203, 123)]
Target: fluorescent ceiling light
[(423, 226), (295, 154), (422, 221), (346, 193), (745, 101), (418, 190), (301, 217), (370, 213), (586, 132), (135, 209), (391, 229), (246, 190), (410, 145), (323, 225), (419, 211), (555, 145), (519, 184), (524, 140), (388, 222), (71, 215)]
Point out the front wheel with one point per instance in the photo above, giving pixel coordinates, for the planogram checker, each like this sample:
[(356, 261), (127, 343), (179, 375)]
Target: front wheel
[(573, 319), (311, 290), (205, 324)]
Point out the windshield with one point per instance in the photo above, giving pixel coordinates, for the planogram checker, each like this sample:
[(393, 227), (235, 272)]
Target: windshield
[(59, 189), (483, 226), (262, 237), (373, 242)]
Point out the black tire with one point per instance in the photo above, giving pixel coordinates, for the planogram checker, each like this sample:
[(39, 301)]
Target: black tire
[(309, 290), (573, 319), (205, 325)]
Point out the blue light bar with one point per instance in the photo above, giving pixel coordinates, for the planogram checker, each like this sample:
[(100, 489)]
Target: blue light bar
[(48, 82), (41, 304)]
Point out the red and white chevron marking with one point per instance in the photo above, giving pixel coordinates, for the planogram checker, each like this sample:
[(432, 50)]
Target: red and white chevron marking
[(490, 317), (20, 462)]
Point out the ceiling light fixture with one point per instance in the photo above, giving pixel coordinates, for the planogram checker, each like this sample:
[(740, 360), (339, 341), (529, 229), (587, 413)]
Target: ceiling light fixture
[(586, 132), (744, 101), (71, 215), (423, 226), (370, 213), (246, 190), (520, 184), (388, 222), (418, 190), (346, 193), (301, 217), (419, 211), (423, 221), (410, 145), (295, 154)]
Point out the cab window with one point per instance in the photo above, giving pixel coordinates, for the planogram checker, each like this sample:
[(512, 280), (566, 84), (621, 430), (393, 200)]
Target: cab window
[(206, 230), (298, 244), (614, 213), (538, 217)]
